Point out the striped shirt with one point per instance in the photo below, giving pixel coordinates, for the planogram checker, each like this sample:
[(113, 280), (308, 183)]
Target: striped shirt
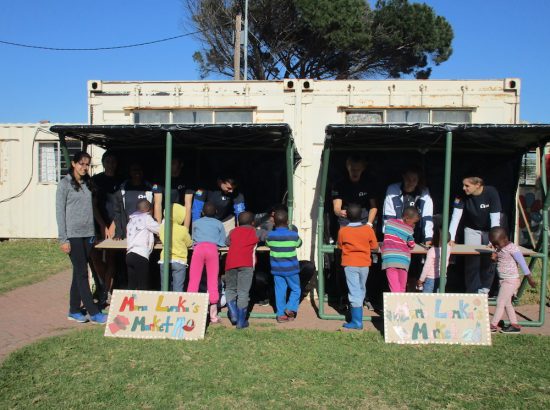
[(283, 257), (398, 242)]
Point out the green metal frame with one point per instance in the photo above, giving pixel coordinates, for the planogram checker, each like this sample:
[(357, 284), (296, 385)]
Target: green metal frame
[(289, 156), (326, 249), (289, 159)]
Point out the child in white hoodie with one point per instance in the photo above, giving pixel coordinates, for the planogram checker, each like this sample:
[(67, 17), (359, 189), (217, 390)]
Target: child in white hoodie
[(140, 241)]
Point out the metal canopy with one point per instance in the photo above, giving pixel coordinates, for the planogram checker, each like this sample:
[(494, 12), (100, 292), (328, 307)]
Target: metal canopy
[(466, 137), (245, 136)]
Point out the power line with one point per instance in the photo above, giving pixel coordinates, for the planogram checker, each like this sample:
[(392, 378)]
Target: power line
[(99, 48)]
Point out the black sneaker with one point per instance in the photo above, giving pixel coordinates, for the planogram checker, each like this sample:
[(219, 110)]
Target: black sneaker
[(511, 329)]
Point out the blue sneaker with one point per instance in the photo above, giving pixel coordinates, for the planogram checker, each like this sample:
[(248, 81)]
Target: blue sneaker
[(77, 317), (99, 318)]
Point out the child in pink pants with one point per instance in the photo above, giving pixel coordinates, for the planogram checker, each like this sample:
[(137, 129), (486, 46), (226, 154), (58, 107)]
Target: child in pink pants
[(396, 248), (208, 234), (508, 257)]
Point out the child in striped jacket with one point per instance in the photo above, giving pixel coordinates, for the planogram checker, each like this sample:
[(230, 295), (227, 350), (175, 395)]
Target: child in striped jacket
[(397, 246), (285, 267)]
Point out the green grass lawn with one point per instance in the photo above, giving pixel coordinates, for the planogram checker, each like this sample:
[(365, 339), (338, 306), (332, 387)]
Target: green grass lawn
[(532, 296), (28, 261), (266, 368)]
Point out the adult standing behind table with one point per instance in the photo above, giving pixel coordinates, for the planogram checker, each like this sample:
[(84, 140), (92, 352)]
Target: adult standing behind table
[(480, 207), (229, 202), (411, 192), (75, 222), (181, 193), (127, 197), (107, 184), (356, 187)]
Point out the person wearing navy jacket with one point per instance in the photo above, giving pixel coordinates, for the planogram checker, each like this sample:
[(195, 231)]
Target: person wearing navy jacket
[(411, 192)]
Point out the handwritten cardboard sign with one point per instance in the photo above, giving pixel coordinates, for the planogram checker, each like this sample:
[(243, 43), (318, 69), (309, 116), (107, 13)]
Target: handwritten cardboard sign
[(420, 318), (145, 314)]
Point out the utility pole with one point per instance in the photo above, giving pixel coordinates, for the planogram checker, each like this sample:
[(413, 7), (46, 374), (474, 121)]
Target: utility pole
[(246, 40), (237, 55)]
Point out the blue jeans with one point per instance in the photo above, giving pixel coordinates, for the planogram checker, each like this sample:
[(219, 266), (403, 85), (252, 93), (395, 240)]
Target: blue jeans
[(282, 283), (431, 284), (356, 278), (176, 279)]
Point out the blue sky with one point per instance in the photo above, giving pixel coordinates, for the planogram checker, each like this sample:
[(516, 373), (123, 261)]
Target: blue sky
[(493, 39)]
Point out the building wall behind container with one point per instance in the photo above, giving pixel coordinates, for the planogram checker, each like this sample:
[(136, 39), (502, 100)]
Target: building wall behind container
[(308, 111), (31, 213)]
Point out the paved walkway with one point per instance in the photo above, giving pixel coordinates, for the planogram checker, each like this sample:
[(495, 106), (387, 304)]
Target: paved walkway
[(33, 312), (40, 310)]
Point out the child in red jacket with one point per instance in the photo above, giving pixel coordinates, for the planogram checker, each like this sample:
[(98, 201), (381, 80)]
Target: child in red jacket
[(239, 268)]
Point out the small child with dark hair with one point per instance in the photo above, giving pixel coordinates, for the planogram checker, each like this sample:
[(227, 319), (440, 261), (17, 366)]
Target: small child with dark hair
[(508, 257), (140, 241), (397, 246), (285, 267), (208, 234), (356, 241), (239, 268)]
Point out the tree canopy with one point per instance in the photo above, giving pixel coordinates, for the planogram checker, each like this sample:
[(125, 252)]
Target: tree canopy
[(322, 39)]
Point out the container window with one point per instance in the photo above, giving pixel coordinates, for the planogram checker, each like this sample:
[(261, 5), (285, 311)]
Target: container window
[(528, 170), (192, 117), (364, 117), (224, 117), (48, 162), (152, 117), (51, 162), (408, 116), (451, 116)]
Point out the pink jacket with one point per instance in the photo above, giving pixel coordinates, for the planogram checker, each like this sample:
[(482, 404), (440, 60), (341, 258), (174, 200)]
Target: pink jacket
[(140, 234), (433, 262)]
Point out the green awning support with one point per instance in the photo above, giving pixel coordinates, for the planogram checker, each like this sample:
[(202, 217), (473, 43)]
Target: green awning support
[(167, 196), (446, 210), (477, 138)]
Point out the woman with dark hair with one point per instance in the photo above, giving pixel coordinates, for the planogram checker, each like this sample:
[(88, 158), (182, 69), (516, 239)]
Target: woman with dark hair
[(75, 222), (411, 192), (480, 208)]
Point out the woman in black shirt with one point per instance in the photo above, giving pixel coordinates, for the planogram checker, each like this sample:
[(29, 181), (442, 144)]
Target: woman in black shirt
[(480, 209)]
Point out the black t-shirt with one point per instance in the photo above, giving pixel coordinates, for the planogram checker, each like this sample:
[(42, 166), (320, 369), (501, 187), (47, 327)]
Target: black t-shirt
[(131, 194), (180, 187), (477, 209), (106, 187), (225, 203), (360, 192)]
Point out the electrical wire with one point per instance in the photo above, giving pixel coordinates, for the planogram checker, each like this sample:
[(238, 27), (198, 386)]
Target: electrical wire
[(99, 48)]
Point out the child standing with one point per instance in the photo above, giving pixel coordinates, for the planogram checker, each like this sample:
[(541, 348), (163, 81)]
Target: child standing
[(508, 257), (285, 267), (208, 234), (181, 240), (140, 241), (429, 279), (239, 268), (356, 241), (396, 249)]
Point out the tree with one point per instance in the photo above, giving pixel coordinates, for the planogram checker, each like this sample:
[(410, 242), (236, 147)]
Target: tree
[(322, 39)]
